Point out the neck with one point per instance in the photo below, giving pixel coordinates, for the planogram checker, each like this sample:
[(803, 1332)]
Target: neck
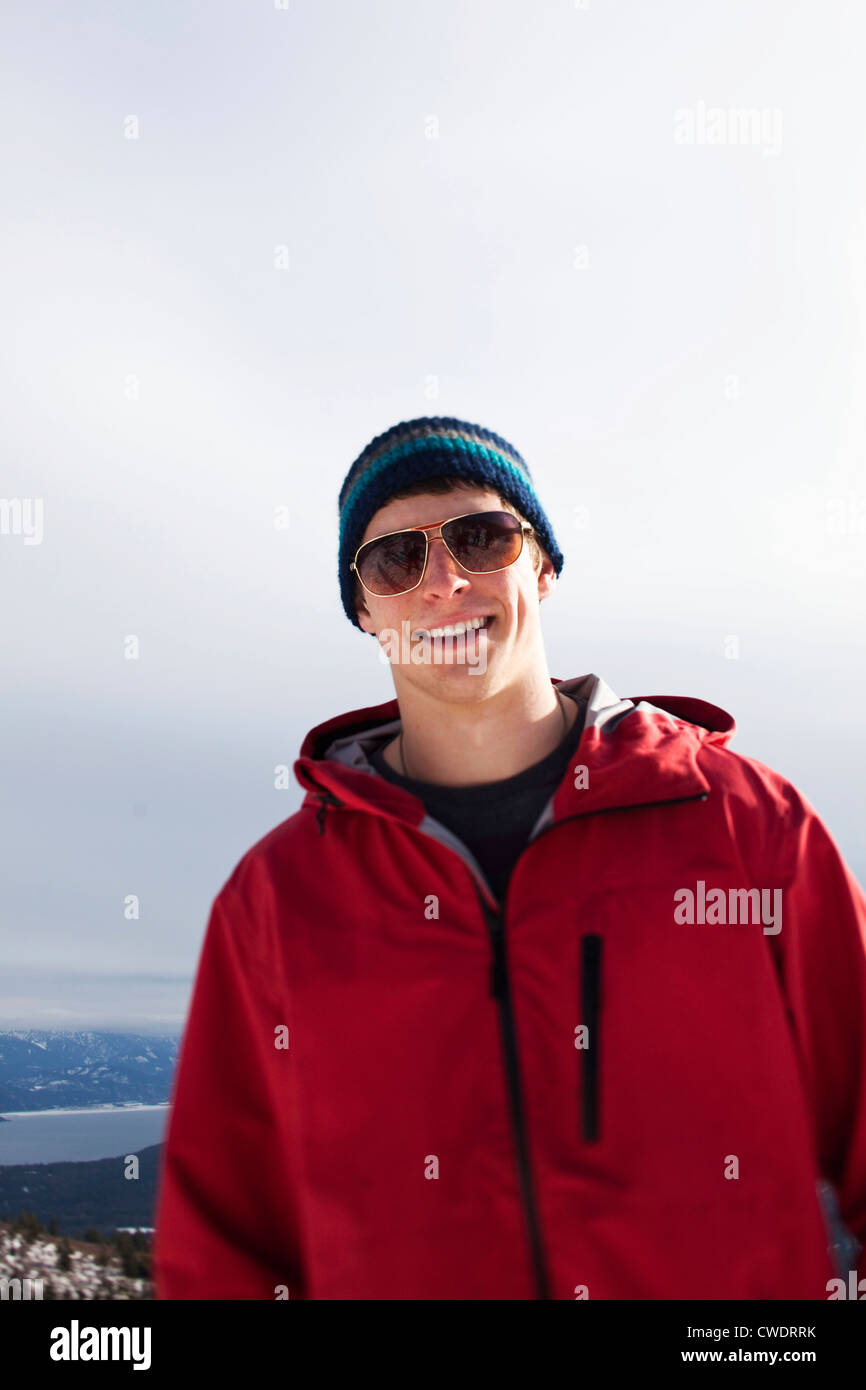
[(463, 744)]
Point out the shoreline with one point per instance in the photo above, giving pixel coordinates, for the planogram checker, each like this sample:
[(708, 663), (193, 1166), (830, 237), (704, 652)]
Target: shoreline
[(120, 1107)]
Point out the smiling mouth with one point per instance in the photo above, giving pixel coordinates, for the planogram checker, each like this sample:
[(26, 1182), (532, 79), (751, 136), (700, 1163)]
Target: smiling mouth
[(455, 629)]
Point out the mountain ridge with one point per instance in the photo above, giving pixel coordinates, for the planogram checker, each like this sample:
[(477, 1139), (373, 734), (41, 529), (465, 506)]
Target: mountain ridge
[(44, 1069)]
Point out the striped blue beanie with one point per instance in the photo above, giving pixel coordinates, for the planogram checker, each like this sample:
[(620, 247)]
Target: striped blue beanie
[(432, 447)]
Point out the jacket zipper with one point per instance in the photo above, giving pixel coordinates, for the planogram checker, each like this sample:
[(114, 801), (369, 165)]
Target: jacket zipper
[(590, 1014), (500, 990)]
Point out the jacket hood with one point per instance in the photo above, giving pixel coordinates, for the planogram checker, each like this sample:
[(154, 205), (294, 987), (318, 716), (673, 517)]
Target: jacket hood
[(634, 751)]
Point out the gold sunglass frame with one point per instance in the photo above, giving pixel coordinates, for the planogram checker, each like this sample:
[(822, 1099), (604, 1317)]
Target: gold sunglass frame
[(436, 526)]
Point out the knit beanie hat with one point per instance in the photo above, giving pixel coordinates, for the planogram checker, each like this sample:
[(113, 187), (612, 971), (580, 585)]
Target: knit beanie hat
[(432, 447)]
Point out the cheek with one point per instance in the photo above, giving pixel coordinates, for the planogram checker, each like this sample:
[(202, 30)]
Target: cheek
[(388, 620), (529, 603)]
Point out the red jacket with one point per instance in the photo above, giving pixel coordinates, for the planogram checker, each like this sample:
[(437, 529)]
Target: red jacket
[(576, 1093)]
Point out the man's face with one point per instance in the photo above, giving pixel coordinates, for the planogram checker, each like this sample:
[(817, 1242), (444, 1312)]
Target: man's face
[(511, 644)]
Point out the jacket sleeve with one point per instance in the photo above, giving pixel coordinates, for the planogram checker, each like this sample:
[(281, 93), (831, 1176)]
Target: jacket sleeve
[(821, 950), (227, 1225)]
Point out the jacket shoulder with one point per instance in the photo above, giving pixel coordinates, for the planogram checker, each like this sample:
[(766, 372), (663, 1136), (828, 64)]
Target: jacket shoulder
[(760, 786), (772, 819), (256, 864)]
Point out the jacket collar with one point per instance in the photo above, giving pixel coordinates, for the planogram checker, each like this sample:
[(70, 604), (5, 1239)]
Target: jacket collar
[(635, 752)]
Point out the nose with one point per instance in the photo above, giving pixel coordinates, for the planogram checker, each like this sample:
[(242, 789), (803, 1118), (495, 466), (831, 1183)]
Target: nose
[(443, 575)]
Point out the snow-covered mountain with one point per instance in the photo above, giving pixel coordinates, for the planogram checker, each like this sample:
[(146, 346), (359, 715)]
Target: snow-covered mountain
[(49, 1070)]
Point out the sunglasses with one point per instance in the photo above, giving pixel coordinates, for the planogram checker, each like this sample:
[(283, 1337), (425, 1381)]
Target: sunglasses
[(480, 542)]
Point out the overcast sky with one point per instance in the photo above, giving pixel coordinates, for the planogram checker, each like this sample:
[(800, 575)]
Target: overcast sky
[(239, 240)]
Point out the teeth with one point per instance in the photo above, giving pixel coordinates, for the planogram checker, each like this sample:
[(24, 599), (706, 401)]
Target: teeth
[(451, 631)]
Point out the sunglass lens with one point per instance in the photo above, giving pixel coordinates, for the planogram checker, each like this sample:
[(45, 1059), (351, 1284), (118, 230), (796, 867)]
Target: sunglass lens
[(393, 564), (486, 541)]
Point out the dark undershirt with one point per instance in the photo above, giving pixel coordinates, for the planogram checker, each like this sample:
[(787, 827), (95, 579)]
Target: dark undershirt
[(494, 819)]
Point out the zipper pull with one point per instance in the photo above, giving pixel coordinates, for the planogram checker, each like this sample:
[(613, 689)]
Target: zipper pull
[(326, 799)]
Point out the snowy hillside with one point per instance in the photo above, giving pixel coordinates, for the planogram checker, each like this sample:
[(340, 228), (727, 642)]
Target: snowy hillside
[(91, 1271), (48, 1070)]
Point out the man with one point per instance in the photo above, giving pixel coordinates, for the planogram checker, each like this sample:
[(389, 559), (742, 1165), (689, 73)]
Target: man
[(542, 993)]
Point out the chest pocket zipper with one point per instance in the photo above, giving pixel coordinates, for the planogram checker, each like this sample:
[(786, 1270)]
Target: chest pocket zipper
[(590, 1014)]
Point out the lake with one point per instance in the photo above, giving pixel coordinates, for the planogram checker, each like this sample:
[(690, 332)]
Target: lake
[(57, 1136)]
